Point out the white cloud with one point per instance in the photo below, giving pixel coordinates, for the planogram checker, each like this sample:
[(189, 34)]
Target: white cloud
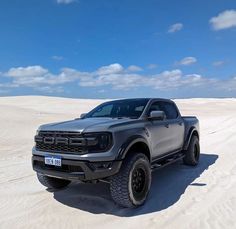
[(114, 76), (175, 79), (134, 68), (227, 85), (34, 76), (152, 66), (65, 1), (224, 20), (50, 89), (30, 71), (7, 85), (218, 63), (175, 28), (187, 61), (57, 58), (110, 69)]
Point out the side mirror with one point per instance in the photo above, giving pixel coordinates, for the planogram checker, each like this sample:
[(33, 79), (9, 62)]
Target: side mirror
[(83, 115), (157, 115)]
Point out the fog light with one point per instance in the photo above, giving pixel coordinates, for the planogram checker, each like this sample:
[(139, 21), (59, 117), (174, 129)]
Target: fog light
[(101, 165)]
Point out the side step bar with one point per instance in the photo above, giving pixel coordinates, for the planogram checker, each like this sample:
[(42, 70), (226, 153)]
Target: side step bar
[(167, 161)]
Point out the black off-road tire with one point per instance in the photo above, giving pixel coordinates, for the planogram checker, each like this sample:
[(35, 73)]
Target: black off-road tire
[(52, 182), (130, 187), (192, 154)]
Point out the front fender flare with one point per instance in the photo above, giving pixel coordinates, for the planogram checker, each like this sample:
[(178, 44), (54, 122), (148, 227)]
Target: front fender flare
[(128, 144)]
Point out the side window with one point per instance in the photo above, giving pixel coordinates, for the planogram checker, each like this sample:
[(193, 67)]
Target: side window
[(154, 107), (170, 110)]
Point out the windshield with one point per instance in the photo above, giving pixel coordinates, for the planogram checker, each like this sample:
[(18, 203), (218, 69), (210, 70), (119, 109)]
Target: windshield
[(130, 108)]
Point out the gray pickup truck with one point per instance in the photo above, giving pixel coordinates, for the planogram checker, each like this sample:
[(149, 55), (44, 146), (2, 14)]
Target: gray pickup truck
[(120, 142)]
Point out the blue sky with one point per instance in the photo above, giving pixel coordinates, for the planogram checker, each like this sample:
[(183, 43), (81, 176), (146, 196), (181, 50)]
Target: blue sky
[(114, 49)]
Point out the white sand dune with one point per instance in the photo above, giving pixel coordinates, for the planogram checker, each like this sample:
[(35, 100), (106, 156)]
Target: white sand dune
[(180, 197)]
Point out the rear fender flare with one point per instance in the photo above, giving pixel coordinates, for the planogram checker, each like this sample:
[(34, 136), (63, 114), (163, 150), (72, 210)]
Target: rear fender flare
[(191, 132)]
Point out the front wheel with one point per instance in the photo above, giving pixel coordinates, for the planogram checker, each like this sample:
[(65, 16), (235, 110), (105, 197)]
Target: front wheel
[(130, 187), (192, 154)]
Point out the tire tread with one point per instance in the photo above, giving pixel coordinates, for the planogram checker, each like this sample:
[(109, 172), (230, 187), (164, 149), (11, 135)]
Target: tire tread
[(119, 185), (189, 158)]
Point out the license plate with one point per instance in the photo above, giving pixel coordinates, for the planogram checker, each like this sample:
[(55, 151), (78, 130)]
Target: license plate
[(52, 160)]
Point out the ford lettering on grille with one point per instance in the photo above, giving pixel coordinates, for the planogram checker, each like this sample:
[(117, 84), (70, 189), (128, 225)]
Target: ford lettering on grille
[(65, 142)]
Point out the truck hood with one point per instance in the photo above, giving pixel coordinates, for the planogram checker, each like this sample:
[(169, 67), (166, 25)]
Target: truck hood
[(88, 124)]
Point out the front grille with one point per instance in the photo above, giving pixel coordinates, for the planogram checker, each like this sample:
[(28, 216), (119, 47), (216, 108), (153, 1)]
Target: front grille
[(60, 142)]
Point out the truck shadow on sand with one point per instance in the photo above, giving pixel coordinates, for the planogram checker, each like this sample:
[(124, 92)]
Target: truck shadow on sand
[(168, 184)]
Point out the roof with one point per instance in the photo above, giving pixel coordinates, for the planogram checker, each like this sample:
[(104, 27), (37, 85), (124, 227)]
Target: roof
[(133, 99)]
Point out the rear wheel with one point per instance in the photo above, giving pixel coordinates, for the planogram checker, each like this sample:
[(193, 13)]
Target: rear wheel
[(52, 182), (192, 154), (130, 187)]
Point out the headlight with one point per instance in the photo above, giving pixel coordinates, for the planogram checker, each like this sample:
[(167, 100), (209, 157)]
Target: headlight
[(96, 142)]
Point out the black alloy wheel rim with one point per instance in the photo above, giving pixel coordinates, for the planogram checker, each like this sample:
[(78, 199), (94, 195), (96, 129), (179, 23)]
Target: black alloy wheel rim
[(139, 183)]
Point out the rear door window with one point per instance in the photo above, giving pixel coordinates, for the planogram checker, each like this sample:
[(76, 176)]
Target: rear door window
[(170, 110)]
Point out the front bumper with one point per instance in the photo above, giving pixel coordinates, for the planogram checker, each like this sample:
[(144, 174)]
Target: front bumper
[(77, 170)]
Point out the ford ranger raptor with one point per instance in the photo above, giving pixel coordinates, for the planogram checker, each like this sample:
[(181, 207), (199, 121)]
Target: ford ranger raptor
[(120, 142)]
